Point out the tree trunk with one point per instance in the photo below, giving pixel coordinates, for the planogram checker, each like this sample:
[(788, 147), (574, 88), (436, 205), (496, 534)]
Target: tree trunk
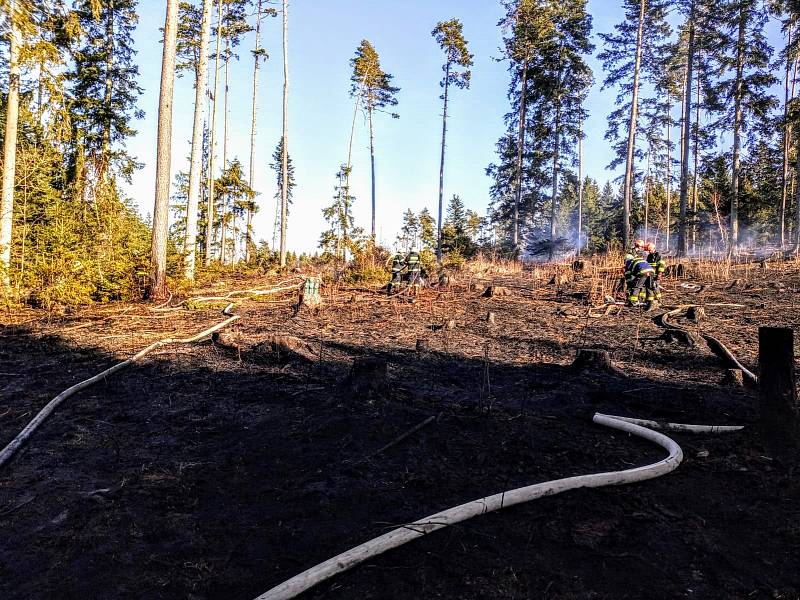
[(695, 174), (687, 123), (441, 165), (248, 241), (791, 67), (212, 141), (108, 96), (347, 179), (520, 150), (195, 170), (628, 185), (285, 152), (10, 146), (669, 172), (580, 193), (777, 390), (737, 126), (797, 204), (372, 164), (224, 199), (158, 277), (556, 156)]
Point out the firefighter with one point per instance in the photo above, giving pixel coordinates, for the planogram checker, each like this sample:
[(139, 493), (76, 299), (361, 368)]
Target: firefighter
[(398, 265), (659, 266), (639, 277), (414, 267)]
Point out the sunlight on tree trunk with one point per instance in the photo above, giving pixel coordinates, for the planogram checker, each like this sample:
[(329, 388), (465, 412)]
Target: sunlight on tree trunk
[(212, 143), (284, 153), (201, 85), (10, 146), (158, 276)]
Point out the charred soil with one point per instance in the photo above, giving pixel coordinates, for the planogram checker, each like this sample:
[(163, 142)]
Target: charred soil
[(220, 469)]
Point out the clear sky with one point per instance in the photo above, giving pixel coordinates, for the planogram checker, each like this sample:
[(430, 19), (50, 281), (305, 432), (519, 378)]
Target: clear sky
[(323, 36)]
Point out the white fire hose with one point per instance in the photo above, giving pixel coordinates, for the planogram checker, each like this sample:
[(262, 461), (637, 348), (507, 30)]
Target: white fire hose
[(355, 556)]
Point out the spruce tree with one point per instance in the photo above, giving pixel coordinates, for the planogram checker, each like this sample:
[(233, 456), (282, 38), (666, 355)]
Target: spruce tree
[(449, 35), (744, 87), (632, 54), (105, 89), (374, 86)]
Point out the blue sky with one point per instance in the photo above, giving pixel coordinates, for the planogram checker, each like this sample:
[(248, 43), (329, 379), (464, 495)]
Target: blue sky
[(323, 36)]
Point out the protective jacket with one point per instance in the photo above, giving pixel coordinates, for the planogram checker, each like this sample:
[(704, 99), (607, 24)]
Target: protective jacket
[(636, 267), (398, 263), (412, 261), (658, 264)]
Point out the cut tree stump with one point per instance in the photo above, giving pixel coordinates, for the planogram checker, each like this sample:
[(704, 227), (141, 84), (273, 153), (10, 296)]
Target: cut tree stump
[(423, 345), (679, 336), (733, 378), (495, 290), (490, 318), (451, 324), (283, 349), (368, 378), (777, 394), (695, 313), (589, 359)]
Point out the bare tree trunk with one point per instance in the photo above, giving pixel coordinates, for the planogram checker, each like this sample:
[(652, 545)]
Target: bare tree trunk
[(647, 199), (628, 185), (669, 171), (224, 199), (10, 145), (520, 150), (210, 205), (737, 126), (108, 96), (158, 277), (372, 163), (580, 192), (687, 123), (248, 241), (285, 153), (797, 205), (695, 175), (196, 167), (556, 156), (348, 170), (787, 135), (441, 165)]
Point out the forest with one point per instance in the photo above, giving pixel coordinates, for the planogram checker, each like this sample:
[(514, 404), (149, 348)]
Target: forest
[(703, 135)]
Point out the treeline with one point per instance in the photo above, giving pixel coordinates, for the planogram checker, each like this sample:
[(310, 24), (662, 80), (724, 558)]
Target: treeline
[(705, 131), (708, 147)]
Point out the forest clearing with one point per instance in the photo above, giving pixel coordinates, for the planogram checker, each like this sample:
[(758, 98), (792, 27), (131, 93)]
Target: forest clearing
[(221, 468)]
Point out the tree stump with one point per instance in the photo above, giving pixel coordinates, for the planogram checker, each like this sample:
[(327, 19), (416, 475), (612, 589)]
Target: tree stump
[(368, 378), (578, 266), (495, 290), (777, 392), (490, 318), (733, 378), (595, 360), (451, 324), (423, 345), (679, 336), (695, 313), (282, 349)]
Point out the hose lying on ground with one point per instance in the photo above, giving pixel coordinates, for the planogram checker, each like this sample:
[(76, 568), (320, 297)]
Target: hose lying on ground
[(22, 436), (678, 427), (714, 344), (347, 560)]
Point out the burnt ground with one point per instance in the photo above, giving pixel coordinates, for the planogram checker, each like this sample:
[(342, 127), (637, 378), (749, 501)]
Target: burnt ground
[(212, 472)]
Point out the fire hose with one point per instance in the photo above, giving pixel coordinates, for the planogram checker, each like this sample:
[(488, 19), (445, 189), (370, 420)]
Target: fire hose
[(407, 533), (8, 452)]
